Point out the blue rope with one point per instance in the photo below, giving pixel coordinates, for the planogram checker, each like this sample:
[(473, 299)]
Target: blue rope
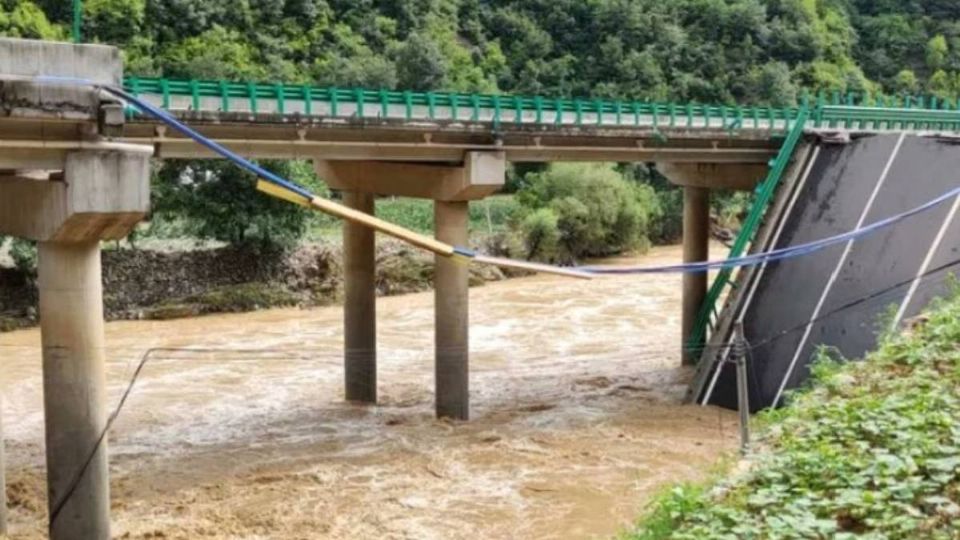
[(746, 260), (782, 253)]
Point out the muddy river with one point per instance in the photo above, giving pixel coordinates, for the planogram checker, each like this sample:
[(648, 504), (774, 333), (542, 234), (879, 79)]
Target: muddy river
[(241, 431)]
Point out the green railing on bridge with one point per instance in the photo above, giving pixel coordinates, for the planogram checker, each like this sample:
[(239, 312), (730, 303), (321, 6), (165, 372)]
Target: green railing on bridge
[(838, 111), (498, 109)]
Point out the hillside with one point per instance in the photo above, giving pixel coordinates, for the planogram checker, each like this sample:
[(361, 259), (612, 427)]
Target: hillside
[(763, 51)]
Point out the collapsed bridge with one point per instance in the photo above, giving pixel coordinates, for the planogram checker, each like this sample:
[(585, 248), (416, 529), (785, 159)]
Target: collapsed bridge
[(74, 170), (843, 297)]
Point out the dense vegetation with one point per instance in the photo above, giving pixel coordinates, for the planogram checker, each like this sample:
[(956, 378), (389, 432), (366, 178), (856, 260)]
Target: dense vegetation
[(871, 451), (745, 51)]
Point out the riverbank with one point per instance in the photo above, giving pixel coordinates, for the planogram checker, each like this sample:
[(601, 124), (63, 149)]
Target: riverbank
[(143, 284), (871, 450), (576, 421)]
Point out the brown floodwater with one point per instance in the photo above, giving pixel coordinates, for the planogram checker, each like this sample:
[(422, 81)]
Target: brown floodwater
[(576, 404)]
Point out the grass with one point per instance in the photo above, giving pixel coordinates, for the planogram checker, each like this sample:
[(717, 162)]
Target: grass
[(870, 450)]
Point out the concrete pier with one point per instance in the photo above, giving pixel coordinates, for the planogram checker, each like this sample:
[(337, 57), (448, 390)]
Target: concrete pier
[(697, 179), (360, 304), (696, 234), (450, 187), (74, 388), (3, 477), (451, 304)]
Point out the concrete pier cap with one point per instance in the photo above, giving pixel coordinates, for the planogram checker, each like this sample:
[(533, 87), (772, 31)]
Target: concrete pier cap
[(736, 176), (103, 196), (481, 174)]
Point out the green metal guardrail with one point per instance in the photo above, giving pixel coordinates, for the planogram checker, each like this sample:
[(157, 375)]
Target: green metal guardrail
[(465, 107), (849, 111)]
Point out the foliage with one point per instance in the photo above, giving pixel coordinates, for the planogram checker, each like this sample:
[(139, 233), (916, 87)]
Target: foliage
[(219, 201), (490, 215), (24, 255), (872, 450), (593, 209), (762, 51)]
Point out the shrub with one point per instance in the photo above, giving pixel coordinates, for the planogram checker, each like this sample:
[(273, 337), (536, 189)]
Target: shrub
[(597, 211), (24, 255), (219, 201), (541, 234)]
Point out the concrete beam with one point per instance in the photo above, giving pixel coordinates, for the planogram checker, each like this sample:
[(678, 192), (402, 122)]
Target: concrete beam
[(74, 388), (360, 303), (372, 149), (103, 196), (482, 174), (696, 236), (451, 315), (736, 176)]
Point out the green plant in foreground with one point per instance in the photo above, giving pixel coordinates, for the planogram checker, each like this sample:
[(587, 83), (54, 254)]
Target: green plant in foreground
[(870, 450)]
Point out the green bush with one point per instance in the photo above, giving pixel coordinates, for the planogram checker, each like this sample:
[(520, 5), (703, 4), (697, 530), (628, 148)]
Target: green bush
[(219, 201), (24, 255), (541, 234), (597, 212), (869, 450)]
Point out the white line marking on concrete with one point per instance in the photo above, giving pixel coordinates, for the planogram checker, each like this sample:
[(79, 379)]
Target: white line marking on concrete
[(926, 263), (836, 271), (756, 280)]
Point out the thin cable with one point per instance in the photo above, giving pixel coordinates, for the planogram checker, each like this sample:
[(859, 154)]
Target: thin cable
[(873, 296)]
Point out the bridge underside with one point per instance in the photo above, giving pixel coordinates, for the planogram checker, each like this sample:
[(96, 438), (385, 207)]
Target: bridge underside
[(285, 137)]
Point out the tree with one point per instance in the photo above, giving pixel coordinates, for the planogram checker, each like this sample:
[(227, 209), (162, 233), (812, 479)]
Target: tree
[(219, 201), (420, 64), (594, 209), (937, 51), (906, 82)]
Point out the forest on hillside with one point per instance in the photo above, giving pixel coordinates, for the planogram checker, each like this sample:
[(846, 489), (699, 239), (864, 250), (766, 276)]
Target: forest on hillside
[(757, 51)]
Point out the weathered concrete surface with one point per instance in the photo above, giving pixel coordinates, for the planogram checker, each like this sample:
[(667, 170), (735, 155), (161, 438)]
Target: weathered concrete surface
[(74, 387), (297, 137), (103, 195), (3, 477), (482, 174), (31, 58), (696, 237), (451, 315), (737, 176), (359, 303)]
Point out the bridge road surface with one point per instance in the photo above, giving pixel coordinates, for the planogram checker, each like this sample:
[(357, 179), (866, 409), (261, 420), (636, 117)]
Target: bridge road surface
[(802, 304)]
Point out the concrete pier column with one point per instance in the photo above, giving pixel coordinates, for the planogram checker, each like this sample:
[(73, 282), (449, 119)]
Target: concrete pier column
[(74, 388), (360, 304), (696, 234), (451, 314), (3, 478)]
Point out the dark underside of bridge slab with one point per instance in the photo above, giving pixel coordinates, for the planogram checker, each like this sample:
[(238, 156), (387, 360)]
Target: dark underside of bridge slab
[(843, 297)]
